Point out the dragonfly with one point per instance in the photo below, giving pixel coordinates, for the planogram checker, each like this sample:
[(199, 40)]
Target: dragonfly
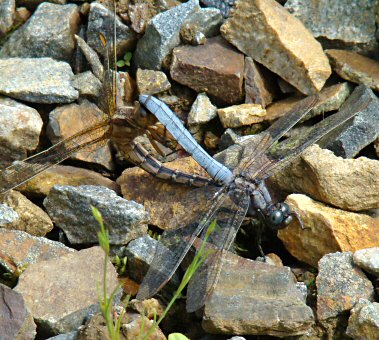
[(243, 192), (119, 123)]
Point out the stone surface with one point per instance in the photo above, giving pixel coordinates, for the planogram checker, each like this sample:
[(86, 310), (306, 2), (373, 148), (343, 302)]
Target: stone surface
[(355, 67), (20, 128), (266, 32), (67, 336), (202, 111), (139, 15), (211, 141), (223, 5), (349, 184), (70, 209), (18, 250), (68, 289), (340, 285), (65, 175), (69, 119), (48, 33), (215, 68), (33, 4), (32, 219), (368, 260), (37, 80), (162, 35), (364, 321), (91, 56), (7, 15), (340, 23), (239, 115), (151, 82), (327, 230), (7, 216), (87, 85), (256, 298), (16, 322)]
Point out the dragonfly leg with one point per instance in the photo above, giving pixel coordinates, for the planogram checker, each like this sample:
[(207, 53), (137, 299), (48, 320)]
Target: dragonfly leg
[(260, 232), (298, 217)]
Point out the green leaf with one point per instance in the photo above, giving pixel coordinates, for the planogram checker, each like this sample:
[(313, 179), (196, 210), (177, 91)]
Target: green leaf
[(177, 336), (128, 56), (120, 63)]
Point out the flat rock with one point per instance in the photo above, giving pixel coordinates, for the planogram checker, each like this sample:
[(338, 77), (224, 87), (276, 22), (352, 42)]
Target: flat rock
[(73, 276), (202, 111), (20, 128), (223, 5), (48, 33), (7, 14), (87, 84), (239, 115), (37, 80), (355, 67), (349, 184), (31, 218), (70, 209), (151, 82), (364, 321), (162, 35), (256, 298), (19, 249), (338, 22), (69, 119), (16, 321), (266, 32), (368, 260), (327, 230), (215, 68), (7, 216), (340, 285)]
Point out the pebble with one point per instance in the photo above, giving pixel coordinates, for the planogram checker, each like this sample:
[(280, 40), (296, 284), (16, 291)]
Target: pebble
[(207, 22), (215, 68), (223, 5), (151, 82), (49, 32), (139, 15), (88, 85), (7, 14), (264, 30), (7, 216), (37, 80), (368, 260), (202, 111), (239, 115)]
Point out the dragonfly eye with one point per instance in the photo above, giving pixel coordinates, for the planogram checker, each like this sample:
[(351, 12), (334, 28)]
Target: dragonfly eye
[(288, 220), (276, 218), (285, 208)]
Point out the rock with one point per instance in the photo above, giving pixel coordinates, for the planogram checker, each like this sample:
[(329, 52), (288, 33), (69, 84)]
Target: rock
[(20, 128), (91, 57), (259, 88), (7, 216), (228, 138), (16, 321), (25, 79), (355, 67), (69, 119), (129, 86), (349, 184), (100, 20), (215, 68), (18, 250), (87, 85), (338, 24), (340, 285), (151, 82), (70, 209), (240, 115), (31, 218), (223, 5), (48, 33), (73, 276), (162, 35), (330, 98), (211, 141), (327, 230), (67, 336), (368, 260), (133, 329), (139, 15), (202, 111), (364, 321), (7, 15), (148, 307), (33, 4), (256, 298), (266, 32), (190, 34)]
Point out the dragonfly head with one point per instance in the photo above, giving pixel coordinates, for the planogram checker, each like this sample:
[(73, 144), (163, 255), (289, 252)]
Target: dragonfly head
[(280, 216)]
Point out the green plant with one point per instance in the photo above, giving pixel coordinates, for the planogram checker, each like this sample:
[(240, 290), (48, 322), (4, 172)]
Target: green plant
[(125, 61), (120, 264)]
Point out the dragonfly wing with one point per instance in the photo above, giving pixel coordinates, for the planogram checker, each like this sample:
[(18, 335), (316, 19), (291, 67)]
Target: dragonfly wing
[(229, 218)]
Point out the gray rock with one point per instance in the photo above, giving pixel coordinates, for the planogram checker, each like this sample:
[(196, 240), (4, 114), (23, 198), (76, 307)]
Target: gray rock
[(48, 33), (66, 336), (16, 322), (256, 298), (87, 84), (364, 321), (340, 285), (100, 20), (207, 21), (340, 23), (20, 128), (223, 5), (202, 111), (368, 260), (162, 35), (37, 80), (228, 138), (70, 209), (91, 56), (7, 14), (7, 215), (61, 293)]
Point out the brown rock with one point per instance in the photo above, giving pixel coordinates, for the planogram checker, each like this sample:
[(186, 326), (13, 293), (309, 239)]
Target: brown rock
[(355, 67), (65, 175), (211, 140), (140, 15), (266, 32), (327, 230), (215, 68), (151, 82), (239, 115), (32, 219), (129, 86)]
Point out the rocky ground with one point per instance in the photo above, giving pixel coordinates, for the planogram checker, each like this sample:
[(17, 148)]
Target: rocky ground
[(228, 69)]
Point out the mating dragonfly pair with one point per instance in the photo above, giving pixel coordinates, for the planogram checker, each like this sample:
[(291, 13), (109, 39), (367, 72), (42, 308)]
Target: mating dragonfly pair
[(239, 192)]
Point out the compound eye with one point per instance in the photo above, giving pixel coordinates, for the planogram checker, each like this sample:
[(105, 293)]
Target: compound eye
[(276, 217), (288, 220), (285, 208)]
